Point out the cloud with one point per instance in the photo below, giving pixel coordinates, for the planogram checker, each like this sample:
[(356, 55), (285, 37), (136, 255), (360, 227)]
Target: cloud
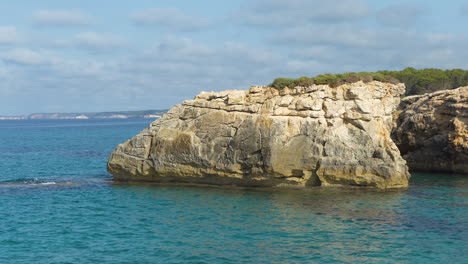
[(357, 37), (186, 50), (253, 55), (328, 34), (277, 38), (93, 40), (171, 18), (179, 48), (293, 12), (177, 68), (25, 57), (9, 35), (400, 15), (340, 47), (61, 18)]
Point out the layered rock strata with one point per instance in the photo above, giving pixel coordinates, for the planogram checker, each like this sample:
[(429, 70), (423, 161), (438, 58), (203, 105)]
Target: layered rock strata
[(306, 136), (431, 131)]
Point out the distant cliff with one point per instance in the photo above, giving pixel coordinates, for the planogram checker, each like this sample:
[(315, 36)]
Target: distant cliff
[(93, 115), (431, 131), (307, 136)]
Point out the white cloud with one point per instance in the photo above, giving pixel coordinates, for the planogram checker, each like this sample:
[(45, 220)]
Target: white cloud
[(25, 57), (315, 52), (442, 39), (179, 48), (183, 66), (400, 15), (179, 54), (93, 40), (171, 18), (254, 55), (9, 35), (61, 18), (329, 34), (293, 12), (302, 67)]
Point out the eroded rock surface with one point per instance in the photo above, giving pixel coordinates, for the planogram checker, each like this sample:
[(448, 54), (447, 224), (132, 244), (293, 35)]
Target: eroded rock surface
[(306, 136), (431, 131)]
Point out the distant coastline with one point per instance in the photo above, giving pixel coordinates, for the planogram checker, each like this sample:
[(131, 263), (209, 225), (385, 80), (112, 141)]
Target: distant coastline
[(91, 115)]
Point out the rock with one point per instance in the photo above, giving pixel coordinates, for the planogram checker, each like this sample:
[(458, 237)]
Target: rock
[(431, 131), (264, 137)]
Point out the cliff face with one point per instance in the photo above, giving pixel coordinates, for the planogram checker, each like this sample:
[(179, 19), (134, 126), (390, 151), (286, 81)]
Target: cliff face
[(264, 137), (431, 131)]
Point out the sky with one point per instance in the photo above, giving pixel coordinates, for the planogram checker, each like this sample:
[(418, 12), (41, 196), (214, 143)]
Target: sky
[(111, 55)]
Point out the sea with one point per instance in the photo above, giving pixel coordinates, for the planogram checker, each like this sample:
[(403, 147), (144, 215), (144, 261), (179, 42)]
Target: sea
[(59, 205)]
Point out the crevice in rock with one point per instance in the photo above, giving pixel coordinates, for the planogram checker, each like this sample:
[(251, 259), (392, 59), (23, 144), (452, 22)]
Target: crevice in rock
[(314, 178), (353, 123), (297, 173)]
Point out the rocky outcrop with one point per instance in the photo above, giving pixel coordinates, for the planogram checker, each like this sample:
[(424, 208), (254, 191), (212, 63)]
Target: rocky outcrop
[(306, 136), (431, 131)]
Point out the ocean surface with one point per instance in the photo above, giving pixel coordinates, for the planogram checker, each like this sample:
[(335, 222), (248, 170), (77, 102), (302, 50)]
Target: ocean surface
[(59, 205)]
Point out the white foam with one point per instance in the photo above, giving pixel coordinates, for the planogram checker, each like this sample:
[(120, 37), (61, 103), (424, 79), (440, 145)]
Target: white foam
[(48, 183)]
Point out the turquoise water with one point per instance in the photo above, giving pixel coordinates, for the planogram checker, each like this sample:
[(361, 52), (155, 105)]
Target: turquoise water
[(58, 205)]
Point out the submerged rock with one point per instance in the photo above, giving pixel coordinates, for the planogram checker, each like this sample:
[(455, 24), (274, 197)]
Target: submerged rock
[(431, 131), (306, 136)]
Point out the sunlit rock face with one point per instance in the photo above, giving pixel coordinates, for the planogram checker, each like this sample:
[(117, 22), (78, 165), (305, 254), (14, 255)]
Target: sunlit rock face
[(431, 131), (306, 136)]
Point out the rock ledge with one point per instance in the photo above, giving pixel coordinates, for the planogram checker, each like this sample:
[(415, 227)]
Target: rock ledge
[(306, 136)]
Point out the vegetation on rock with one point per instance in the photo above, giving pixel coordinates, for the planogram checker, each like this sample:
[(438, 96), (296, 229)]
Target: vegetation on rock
[(416, 81)]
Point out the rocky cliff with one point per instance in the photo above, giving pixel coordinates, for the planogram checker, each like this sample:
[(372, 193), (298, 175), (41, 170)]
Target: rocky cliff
[(306, 136), (431, 131)]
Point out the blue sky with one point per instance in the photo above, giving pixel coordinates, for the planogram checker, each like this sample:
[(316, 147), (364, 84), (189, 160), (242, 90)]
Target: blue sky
[(81, 56)]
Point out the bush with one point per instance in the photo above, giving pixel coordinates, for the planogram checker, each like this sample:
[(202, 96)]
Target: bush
[(352, 78), (304, 81), (280, 83), (325, 79), (416, 81), (367, 78)]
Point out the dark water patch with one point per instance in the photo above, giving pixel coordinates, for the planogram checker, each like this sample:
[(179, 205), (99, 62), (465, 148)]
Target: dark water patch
[(438, 179), (88, 153)]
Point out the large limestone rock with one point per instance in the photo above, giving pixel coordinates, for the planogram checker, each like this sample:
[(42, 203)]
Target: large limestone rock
[(431, 131), (306, 136)]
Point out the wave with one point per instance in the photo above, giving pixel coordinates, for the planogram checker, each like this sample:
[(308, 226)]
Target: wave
[(27, 181), (99, 179)]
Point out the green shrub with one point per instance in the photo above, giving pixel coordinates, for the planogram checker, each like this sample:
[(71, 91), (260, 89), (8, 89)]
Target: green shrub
[(352, 78), (379, 77), (416, 81), (280, 83), (325, 79), (304, 81), (366, 77)]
